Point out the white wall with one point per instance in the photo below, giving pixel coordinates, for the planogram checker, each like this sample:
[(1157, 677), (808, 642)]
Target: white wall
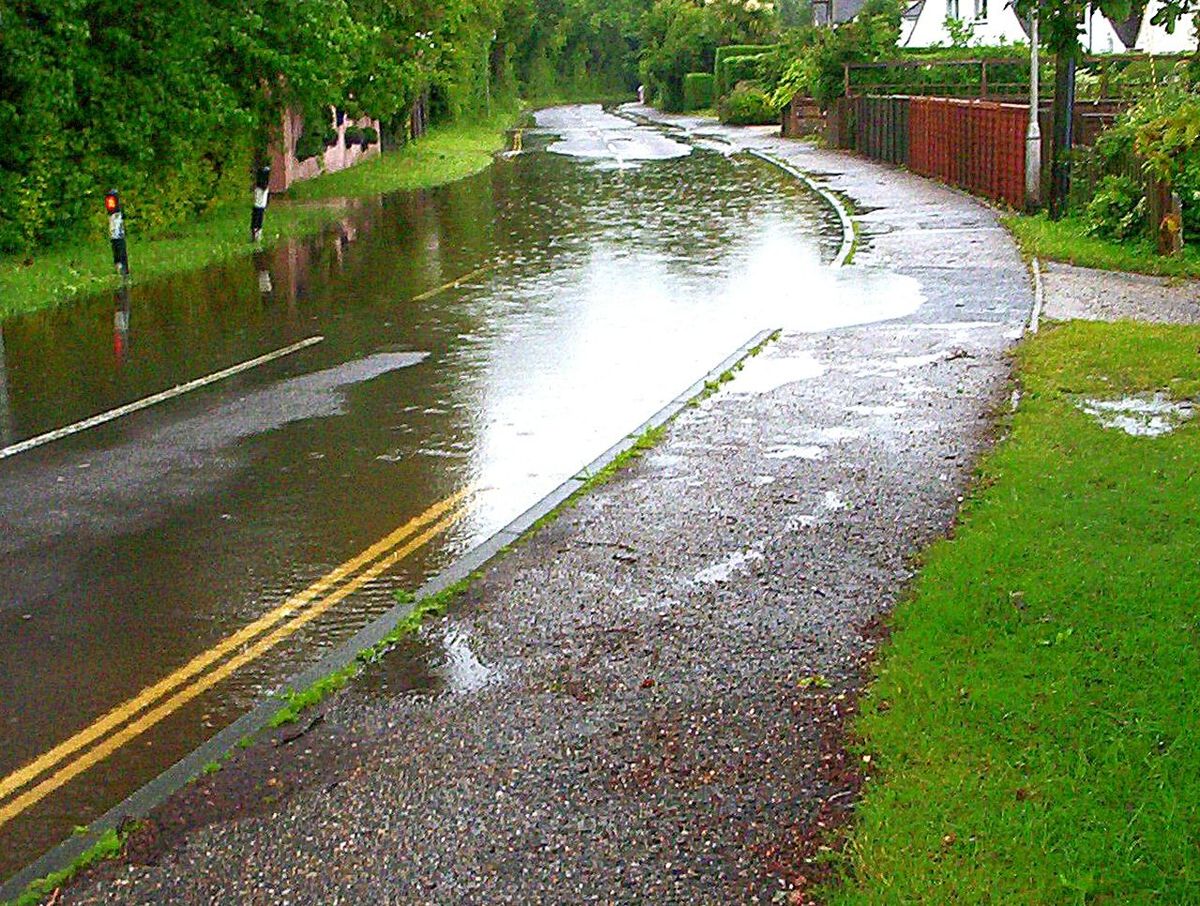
[(1099, 36), (1154, 38), (999, 25)]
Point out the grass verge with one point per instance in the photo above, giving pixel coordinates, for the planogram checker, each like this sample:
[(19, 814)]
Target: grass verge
[(1032, 725), (1067, 240), (55, 275)]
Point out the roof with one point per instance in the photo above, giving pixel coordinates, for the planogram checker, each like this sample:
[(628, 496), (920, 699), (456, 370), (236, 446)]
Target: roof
[(842, 10), (1127, 29), (914, 11)]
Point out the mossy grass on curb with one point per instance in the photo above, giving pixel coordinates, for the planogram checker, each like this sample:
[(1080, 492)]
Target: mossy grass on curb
[(55, 275), (1067, 240), (107, 847), (1031, 730)]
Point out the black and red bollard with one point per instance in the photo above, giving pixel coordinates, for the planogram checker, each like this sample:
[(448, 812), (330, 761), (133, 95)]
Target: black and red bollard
[(116, 232), (262, 195)]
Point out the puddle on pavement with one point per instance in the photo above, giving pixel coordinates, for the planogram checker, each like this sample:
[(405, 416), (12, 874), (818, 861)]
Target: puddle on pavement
[(1145, 415), (765, 373), (723, 570), (498, 332), (795, 451), (589, 132)]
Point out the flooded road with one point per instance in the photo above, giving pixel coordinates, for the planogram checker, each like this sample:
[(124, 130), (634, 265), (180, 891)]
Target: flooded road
[(475, 344)]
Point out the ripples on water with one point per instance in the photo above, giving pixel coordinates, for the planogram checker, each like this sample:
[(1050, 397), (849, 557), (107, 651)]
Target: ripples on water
[(598, 292)]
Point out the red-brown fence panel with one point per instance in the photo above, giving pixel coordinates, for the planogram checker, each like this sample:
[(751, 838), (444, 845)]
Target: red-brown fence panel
[(976, 145)]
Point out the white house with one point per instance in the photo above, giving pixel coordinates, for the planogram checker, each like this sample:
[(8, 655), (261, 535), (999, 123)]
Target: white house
[(1101, 35), (1154, 38), (995, 22)]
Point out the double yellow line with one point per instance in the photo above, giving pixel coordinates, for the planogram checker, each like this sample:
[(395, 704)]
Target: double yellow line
[(195, 677)]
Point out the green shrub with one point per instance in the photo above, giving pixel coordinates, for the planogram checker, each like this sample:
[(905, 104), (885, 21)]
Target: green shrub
[(370, 136), (1117, 209), (732, 70), (697, 90), (353, 136), (1163, 132), (678, 37), (820, 54), (310, 144), (747, 105), (726, 78)]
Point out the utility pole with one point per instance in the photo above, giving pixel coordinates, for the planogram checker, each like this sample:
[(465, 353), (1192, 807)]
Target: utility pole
[(487, 73), (1033, 137)]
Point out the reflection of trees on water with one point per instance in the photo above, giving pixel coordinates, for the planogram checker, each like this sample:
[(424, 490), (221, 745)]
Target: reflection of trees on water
[(6, 420)]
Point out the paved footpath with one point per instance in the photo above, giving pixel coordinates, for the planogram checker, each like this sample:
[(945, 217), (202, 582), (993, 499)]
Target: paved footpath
[(1096, 295), (645, 702)]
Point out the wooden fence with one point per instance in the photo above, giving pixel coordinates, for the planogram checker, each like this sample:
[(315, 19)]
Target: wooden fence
[(975, 145)]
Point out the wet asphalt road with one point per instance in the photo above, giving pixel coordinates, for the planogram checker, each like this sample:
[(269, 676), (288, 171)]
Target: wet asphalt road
[(624, 709), (495, 334)]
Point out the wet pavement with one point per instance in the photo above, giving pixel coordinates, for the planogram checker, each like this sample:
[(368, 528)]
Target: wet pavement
[(645, 702), (496, 334), (1083, 293)]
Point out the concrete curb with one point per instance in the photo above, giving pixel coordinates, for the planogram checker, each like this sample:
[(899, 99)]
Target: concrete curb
[(849, 238), (186, 769), (1039, 295)]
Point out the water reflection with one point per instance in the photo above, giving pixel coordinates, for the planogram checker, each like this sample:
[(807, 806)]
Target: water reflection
[(122, 311), (7, 430), (596, 294)]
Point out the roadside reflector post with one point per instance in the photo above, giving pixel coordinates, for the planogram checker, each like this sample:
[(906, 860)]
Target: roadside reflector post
[(262, 195), (116, 232)]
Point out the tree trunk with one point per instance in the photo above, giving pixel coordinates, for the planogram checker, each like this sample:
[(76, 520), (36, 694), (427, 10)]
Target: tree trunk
[(1064, 133)]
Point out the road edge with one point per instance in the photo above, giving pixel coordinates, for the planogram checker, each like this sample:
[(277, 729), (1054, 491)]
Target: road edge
[(67, 854), (849, 235)]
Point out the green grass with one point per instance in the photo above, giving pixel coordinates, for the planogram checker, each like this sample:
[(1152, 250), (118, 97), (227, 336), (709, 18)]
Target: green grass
[(59, 274), (300, 701), (1039, 740), (107, 847), (1067, 240)]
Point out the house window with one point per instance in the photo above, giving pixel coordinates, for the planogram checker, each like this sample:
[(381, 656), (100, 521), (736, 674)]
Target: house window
[(980, 9), (952, 9)]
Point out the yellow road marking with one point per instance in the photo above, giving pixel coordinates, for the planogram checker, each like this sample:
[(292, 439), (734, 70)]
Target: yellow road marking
[(128, 709), (453, 284), (177, 701)]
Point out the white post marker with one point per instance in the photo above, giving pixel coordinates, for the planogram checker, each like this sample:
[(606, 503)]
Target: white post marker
[(147, 402), (1033, 137), (262, 194)]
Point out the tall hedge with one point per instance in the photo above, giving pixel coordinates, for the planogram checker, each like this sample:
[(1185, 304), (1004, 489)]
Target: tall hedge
[(170, 101), (698, 90), (724, 84)]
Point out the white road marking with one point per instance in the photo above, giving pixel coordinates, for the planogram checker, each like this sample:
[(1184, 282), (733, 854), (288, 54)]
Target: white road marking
[(147, 402)]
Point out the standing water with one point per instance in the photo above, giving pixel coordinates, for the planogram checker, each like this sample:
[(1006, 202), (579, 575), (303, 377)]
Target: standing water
[(495, 334)]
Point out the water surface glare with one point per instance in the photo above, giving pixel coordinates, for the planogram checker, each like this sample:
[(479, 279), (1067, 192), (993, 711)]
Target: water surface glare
[(595, 294)]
